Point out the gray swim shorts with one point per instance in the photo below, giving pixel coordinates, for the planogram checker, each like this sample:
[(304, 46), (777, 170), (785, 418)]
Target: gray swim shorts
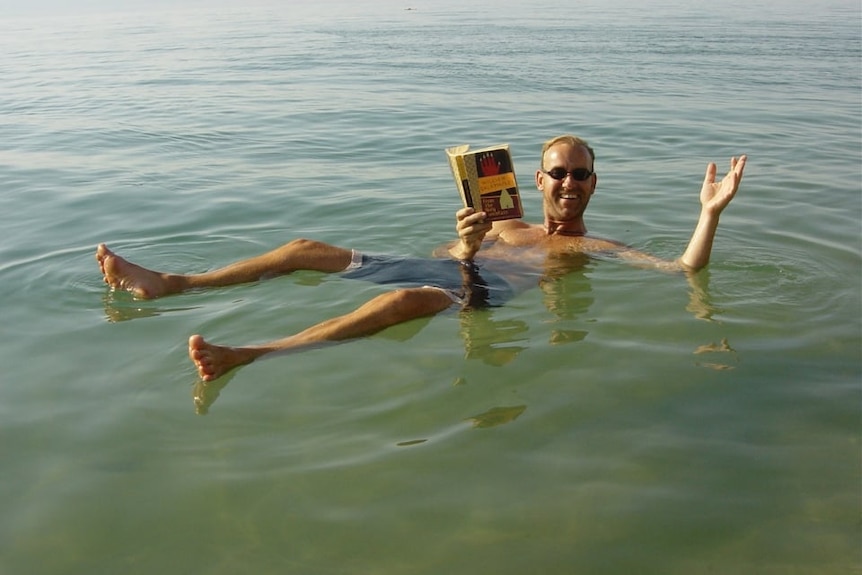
[(464, 282)]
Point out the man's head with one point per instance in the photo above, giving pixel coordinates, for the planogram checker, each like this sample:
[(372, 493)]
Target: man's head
[(572, 141), (567, 181)]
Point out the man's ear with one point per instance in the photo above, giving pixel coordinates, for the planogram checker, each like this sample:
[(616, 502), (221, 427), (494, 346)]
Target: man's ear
[(540, 175)]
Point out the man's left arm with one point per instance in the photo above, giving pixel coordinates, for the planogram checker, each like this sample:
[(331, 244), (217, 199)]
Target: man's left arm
[(714, 197)]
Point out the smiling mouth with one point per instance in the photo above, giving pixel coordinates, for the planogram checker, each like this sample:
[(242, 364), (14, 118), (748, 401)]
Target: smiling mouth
[(570, 196)]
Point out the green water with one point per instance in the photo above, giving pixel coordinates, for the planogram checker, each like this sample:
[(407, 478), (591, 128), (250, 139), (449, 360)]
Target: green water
[(616, 420)]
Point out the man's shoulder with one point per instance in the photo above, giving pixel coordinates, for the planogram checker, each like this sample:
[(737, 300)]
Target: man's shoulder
[(518, 232), (502, 226)]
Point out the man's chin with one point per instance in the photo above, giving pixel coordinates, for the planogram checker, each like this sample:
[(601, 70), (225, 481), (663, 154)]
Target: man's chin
[(569, 214), (570, 206)]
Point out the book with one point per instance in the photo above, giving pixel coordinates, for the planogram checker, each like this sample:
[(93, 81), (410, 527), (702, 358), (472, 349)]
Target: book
[(486, 180)]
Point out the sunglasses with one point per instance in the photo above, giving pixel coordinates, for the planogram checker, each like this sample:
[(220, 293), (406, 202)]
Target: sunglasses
[(578, 174)]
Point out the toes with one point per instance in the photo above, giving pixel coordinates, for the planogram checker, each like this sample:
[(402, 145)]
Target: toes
[(204, 369), (199, 356)]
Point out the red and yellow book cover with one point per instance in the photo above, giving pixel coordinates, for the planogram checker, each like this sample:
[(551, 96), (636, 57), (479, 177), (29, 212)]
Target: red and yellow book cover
[(486, 180)]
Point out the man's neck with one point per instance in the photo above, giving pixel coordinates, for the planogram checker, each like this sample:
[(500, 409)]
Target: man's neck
[(565, 228)]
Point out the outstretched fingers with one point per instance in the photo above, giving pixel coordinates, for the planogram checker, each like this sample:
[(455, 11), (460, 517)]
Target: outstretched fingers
[(737, 166), (709, 178), (734, 176), (716, 195)]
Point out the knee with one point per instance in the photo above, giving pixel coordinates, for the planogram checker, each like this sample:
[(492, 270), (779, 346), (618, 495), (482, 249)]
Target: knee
[(300, 247), (300, 244), (305, 254), (418, 301)]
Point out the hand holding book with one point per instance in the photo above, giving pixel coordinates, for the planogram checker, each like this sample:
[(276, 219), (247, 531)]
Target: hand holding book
[(471, 227)]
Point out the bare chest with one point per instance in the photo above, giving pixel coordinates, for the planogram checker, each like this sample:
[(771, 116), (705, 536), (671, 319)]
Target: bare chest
[(537, 238)]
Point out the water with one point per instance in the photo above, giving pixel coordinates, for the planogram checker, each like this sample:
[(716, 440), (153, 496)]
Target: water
[(619, 420)]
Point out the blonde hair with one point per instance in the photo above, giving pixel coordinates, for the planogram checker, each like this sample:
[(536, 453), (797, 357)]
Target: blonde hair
[(573, 141)]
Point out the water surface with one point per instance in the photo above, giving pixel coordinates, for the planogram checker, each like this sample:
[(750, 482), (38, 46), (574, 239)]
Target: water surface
[(616, 420)]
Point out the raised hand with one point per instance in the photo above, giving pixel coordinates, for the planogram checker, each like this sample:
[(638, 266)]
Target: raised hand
[(714, 196)]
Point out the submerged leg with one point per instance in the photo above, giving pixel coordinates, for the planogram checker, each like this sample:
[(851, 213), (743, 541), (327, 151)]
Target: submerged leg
[(213, 361), (300, 254)]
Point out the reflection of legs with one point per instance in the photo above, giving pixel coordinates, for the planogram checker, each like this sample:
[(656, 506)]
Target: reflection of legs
[(297, 255), (213, 361)]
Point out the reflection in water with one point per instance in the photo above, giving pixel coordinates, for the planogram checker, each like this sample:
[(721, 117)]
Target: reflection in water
[(715, 347), (722, 347), (566, 294), (715, 366), (700, 302), (561, 336), (204, 393), (483, 337), (126, 308), (497, 416)]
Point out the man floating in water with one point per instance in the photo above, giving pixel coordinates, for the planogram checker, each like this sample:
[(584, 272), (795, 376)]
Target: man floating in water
[(484, 266)]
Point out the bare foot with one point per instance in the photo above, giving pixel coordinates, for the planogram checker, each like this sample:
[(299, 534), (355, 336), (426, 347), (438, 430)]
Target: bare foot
[(122, 274), (213, 361)]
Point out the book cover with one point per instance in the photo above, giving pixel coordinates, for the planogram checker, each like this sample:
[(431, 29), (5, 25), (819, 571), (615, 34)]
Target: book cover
[(486, 180)]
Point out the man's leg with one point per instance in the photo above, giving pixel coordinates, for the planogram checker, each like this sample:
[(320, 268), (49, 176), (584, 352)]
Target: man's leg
[(299, 254), (213, 361)]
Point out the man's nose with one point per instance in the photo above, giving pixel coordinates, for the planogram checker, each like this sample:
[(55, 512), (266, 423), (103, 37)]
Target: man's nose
[(569, 181)]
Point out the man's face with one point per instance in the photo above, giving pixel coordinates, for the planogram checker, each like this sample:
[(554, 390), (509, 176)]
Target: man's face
[(565, 199)]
